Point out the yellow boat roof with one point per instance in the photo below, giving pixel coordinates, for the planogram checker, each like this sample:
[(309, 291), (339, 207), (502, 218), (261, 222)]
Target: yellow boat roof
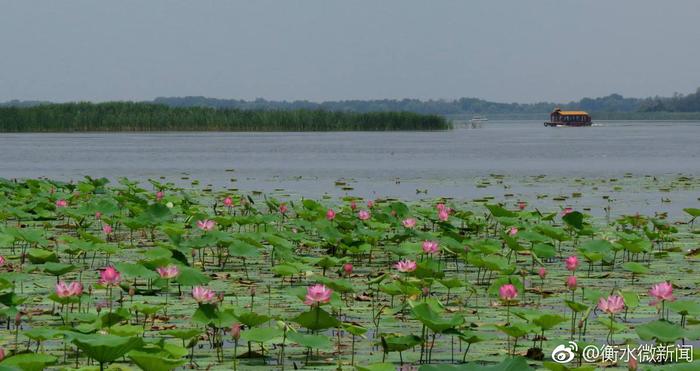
[(573, 113)]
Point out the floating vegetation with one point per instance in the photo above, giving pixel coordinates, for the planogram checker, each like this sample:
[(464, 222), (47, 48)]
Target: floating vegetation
[(96, 275)]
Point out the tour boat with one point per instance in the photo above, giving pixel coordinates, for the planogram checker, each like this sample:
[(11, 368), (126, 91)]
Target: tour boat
[(477, 120), (568, 118)]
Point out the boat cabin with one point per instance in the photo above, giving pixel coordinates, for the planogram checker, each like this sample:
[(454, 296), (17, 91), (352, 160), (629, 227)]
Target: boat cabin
[(568, 118)]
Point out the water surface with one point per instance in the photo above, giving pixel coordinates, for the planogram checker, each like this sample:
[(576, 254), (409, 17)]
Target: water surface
[(377, 164)]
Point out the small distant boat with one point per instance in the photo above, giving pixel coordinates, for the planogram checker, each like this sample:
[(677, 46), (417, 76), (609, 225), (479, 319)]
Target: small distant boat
[(477, 120), (559, 118)]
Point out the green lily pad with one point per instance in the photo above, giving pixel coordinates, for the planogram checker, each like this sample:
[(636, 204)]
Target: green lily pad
[(106, 348), (510, 364), (261, 334), (310, 341), (661, 331), (29, 361)]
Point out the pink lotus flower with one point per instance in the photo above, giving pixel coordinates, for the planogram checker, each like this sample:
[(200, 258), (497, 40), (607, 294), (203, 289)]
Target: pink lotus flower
[(330, 214), (75, 288), (283, 208), (443, 215), (571, 283), (228, 201), (203, 295), (168, 272), (370, 204), (363, 215), (347, 268), (206, 224), (2, 260), (406, 266), (159, 195), (508, 292), (572, 263), (110, 277), (409, 222), (661, 292), (430, 247), (353, 206), (522, 205), (441, 207), (317, 294), (512, 231), (61, 203), (612, 305), (62, 290), (236, 331), (567, 211), (2, 354), (542, 273), (98, 215), (107, 229)]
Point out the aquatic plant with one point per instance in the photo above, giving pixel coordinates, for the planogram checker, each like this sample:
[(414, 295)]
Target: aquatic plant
[(130, 116), (184, 280)]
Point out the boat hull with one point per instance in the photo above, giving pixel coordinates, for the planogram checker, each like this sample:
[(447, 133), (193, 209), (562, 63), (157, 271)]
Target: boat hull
[(572, 124)]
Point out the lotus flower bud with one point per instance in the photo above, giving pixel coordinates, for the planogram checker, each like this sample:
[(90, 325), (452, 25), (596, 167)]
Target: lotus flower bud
[(632, 364), (236, 331), (571, 283)]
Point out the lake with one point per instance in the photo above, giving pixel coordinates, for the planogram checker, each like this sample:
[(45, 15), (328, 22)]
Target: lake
[(457, 163)]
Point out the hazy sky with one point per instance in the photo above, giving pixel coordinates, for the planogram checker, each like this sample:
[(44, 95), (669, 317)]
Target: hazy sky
[(516, 50)]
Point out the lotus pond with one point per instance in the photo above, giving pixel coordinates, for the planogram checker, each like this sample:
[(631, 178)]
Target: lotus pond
[(156, 276)]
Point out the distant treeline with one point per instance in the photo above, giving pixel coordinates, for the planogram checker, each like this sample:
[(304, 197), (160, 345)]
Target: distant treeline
[(129, 116), (611, 103), (677, 103), (611, 106), (614, 105)]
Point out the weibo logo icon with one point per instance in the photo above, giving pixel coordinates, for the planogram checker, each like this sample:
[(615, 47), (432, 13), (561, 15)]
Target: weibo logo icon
[(564, 353)]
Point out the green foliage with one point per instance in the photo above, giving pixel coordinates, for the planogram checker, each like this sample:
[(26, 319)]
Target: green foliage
[(510, 364), (399, 343), (316, 319), (661, 331), (28, 361), (129, 116), (310, 341), (106, 348)]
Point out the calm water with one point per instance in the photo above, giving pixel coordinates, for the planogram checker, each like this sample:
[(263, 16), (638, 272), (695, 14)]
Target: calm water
[(375, 164)]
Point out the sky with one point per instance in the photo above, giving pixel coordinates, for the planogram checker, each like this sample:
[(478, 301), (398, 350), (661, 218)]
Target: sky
[(508, 51)]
